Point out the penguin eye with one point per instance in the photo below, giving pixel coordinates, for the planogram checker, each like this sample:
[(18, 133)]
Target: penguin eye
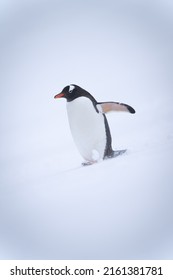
[(71, 88)]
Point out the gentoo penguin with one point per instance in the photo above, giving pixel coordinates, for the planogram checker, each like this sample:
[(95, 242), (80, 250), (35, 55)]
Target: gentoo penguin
[(88, 123)]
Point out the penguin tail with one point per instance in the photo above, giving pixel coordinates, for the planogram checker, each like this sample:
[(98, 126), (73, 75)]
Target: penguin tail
[(115, 153), (119, 152)]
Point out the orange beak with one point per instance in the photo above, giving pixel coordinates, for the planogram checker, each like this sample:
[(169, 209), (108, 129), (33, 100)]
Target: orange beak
[(59, 95)]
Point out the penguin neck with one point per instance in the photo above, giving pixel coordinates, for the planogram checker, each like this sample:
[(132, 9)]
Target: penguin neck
[(87, 97)]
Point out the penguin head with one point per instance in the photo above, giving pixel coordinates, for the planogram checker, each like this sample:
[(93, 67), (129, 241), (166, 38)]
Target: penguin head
[(72, 92)]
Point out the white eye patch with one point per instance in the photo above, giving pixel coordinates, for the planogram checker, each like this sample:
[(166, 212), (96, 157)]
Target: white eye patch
[(71, 88)]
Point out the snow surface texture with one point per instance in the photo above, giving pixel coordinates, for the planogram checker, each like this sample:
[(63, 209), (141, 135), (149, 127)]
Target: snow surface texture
[(50, 206)]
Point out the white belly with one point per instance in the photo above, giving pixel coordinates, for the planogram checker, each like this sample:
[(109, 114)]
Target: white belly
[(87, 128)]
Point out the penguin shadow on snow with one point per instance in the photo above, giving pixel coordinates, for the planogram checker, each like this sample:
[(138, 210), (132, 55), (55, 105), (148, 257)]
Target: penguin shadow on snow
[(88, 124)]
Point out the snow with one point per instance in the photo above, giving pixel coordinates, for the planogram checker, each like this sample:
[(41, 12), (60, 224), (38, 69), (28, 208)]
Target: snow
[(51, 207)]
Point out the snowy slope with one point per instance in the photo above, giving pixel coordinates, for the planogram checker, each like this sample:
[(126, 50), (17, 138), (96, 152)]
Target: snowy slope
[(50, 206)]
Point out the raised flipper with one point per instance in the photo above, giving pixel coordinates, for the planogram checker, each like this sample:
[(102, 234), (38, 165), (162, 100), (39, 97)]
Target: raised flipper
[(106, 107)]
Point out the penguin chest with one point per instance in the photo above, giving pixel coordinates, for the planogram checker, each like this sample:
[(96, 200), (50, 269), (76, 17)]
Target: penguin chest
[(87, 128)]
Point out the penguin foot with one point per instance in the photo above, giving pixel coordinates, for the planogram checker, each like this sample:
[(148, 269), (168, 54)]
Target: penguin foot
[(87, 163)]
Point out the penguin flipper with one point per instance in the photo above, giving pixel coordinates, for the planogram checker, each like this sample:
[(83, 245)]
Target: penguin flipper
[(106, 107)]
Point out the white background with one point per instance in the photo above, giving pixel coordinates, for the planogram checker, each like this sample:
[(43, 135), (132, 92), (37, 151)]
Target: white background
[(51, 207)]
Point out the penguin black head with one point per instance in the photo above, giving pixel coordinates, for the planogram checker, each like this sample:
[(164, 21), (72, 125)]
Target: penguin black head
[(72, 92)]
